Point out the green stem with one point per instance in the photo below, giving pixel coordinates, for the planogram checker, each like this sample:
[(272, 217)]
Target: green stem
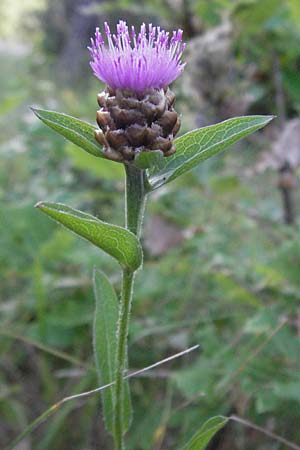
[(135, 197), (123, 325)]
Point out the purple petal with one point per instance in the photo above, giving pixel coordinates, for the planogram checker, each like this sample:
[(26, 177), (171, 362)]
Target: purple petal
[(138, 62)]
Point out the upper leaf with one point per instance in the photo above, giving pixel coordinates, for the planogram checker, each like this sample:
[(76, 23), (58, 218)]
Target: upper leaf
[(75, 130), (202, 437), (105, 343), (199, 145), (114, 240)]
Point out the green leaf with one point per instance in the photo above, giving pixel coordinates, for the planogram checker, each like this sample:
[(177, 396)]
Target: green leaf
[(75, 130), (199, 145), (145, 160), (200, 439), (104, 340), (114, 240)]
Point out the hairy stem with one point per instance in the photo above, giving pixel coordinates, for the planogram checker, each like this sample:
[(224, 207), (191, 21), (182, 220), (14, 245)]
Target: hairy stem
[(123, 325), (135, 196)]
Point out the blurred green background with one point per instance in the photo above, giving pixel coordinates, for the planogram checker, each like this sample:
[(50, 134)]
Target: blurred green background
[(222, 248)]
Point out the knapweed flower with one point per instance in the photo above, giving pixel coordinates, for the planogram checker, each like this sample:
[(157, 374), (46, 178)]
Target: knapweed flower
[(137, 62), (137, 111)]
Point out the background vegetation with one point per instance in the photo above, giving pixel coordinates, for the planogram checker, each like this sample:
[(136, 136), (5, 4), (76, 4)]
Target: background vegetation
[(222, 264)]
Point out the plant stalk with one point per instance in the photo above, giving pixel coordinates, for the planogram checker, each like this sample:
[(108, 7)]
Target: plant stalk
[(135, 198)]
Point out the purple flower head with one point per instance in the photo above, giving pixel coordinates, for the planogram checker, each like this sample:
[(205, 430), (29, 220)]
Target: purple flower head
[(150, 59)]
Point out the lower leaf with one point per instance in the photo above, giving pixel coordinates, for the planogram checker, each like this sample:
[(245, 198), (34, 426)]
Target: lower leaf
[(104, 342), (200, 439)]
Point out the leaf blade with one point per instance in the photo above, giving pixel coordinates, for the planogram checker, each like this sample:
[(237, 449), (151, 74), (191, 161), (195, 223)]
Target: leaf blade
[(114, 240), (75, 130), (104, 343), (202, 437), (199, 145)]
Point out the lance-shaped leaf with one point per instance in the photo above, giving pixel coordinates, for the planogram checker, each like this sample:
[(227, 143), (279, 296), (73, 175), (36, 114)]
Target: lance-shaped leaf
[(75, 130), (200, 439), (105, 342), (199, 145), (114, 240)]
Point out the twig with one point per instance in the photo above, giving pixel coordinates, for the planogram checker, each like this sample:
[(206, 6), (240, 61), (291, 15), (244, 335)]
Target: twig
[(266, 432), (133, 374), (57, 405)]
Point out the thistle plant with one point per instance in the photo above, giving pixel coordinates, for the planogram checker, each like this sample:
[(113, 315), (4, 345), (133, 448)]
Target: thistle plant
[(137, 125)]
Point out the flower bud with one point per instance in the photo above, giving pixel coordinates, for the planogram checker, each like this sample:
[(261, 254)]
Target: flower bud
[(131, 123)]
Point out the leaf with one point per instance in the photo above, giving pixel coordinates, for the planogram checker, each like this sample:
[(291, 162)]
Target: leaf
[(114, 240), (144, 160), (200, 439), (75, 130), (104, 341), (199, 145)]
